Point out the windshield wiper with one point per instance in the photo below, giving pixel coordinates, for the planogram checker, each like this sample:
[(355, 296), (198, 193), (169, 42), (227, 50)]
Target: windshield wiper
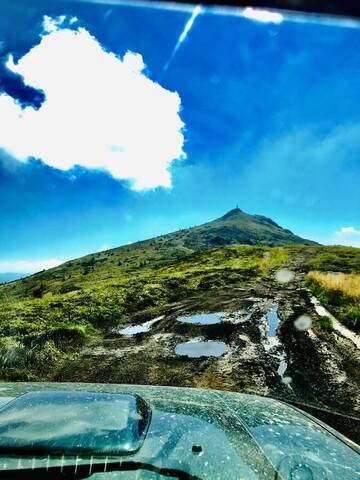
[(77, 472)]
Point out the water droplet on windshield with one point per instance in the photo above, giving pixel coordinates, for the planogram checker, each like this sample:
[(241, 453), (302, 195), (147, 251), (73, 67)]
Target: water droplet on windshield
[(283, 275), (286, 380), (303, 322)]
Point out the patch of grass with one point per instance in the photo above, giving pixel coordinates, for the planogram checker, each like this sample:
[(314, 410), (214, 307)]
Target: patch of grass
[(336, 259), (346, 284), (326, 323), (339, 292)]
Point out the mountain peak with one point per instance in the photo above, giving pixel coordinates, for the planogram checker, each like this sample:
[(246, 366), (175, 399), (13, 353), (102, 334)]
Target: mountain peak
[(237, 227), (232, 213)]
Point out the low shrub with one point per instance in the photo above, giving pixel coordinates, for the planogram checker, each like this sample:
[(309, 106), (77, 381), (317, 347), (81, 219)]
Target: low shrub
[(326, 323)]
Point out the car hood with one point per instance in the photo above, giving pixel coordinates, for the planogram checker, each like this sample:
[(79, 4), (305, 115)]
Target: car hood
[(217, 435)]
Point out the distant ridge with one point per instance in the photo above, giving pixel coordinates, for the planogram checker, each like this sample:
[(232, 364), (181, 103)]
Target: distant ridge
[(233, 228)]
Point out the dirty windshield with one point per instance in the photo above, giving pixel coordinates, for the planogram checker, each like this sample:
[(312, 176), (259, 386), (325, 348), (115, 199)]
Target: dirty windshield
[(179, 191)]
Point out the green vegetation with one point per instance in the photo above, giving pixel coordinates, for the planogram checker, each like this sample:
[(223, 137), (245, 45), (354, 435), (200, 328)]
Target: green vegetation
[(339, 292), (326, 323), (336, 259), (54, 313), (46, 318)]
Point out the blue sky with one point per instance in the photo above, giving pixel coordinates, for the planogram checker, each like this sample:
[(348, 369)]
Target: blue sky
[(108, 137)]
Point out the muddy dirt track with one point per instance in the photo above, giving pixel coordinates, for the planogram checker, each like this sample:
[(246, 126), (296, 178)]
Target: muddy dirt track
[(269, 351)]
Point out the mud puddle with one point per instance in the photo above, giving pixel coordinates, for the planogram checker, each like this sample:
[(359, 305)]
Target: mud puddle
[(135, 329), (273, 340), (201, 319), (198, 348)]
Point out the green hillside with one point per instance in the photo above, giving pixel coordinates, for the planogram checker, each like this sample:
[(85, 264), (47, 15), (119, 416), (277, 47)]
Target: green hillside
[(47, 317), (103, 268)]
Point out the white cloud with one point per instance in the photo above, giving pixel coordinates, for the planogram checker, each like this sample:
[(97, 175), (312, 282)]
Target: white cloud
[(51, 24), (260, 15), (29, 266), (104, 247), (348, 230), (348, 236), (100, 111)]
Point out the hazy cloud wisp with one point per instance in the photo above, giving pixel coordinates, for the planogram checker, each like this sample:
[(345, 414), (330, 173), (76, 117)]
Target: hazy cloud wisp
[(348, 231), (29, 266)]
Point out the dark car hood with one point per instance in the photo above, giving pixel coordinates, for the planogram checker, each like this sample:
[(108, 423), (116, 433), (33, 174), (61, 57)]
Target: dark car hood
[(218, 435)]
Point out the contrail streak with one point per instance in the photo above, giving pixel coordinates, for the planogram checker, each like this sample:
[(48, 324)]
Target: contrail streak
[(196, 11)]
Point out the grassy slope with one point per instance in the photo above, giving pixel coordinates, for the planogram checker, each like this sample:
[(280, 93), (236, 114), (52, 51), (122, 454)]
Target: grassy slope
[(236, 227), (50, 315), (47, 317), (336, 259), (318, 262)]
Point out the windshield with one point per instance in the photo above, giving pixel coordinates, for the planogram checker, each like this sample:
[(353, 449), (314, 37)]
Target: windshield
[(180, 202)]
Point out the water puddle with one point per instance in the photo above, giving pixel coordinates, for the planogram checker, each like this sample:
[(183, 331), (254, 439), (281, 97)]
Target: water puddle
[(201, 319), (133, 330), (282, 368), (197, 348), (273, 321), (273, 340)]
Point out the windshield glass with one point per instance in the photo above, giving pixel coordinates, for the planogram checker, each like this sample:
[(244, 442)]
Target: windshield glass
[(180, 203)]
